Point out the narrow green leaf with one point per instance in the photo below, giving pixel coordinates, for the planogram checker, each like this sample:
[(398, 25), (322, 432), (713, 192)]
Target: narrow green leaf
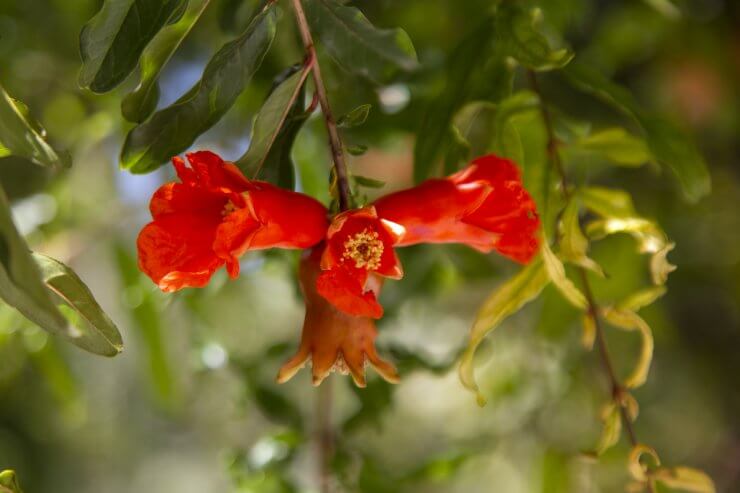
[(111, 42), (668, 144), (9, 482), (631, 321), (642, 298), (616, 145), (354, 118), (23, 137), (573, 243), (607, 202), (173, 129), (556, 271), (141, 102), (517, 30), (94, 330), (612, 419), (357, 45), (357, 149), (368, 182), (283, 107), (21, 285), (509, 298)]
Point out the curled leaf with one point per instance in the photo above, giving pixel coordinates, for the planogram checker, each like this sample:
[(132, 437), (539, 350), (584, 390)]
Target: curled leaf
[(556, 271), (629, 403), (659, 265), (629, 320), (511, 296), (573, 243), (637, 469), (642, 298)]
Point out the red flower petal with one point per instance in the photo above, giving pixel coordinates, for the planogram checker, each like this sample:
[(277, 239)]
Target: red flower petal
[(345, 289)]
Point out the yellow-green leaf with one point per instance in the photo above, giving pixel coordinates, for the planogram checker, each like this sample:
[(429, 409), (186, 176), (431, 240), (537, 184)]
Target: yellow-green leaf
[(607, 202), (511, 296), (612, 428), (685, 478), (9, 482), (589, 331), (629, 320), (617, 145), (556, 271), (659, 265), (642, 298), (637, 469), (573, 243)]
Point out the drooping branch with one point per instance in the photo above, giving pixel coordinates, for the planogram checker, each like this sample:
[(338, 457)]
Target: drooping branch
[(335, 143), (616, 387)]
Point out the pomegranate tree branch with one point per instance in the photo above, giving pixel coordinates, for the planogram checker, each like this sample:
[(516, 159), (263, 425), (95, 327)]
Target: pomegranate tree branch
[(335, 143)]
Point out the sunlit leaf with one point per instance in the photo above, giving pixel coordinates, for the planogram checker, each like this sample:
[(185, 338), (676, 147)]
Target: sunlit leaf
[(685, 478), (573, 244), (517, 30), (636, 468), (659, 265), (282, 104), (21, 285), (354, 118), (357, 45), (111, 42), (9, 482), (21, 136), (607, 202), (642, 298), (173, 129), (669, 145), (511, 296), (612, 419), (629, 320), (141, 102), (616, 145), (95, 331), (556, 271)]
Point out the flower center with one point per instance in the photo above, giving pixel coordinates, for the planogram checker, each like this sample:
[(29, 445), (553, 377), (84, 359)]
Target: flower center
[(365, 248), (228, 208)]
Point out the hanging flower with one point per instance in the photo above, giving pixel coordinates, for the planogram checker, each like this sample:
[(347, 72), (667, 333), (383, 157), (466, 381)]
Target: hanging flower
[(333, 340), (484, 206), (359, 248), (215, 214)]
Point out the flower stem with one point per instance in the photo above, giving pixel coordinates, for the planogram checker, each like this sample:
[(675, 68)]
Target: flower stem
[(616, 387), (335, 143)]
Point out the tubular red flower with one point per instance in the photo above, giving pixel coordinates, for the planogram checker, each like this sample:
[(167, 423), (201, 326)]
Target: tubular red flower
[(213, 215), (359, 248), (333, 340), (484, 206)]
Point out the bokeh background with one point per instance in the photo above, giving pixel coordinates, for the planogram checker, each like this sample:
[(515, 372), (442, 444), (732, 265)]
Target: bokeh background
[(191, 404)]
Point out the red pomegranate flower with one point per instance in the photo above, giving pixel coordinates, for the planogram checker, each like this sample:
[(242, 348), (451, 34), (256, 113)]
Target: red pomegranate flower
[(359, 248), (484, 206), (332, 339), (214, 215)]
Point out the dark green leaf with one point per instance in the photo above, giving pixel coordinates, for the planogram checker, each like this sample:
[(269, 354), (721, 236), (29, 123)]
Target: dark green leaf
[(234, 15), (95, 331), (21, 136), (111, 42), (141, 102), (354, 118), (668, 144), (357, 149), (357, 45), (21, 285), (273, 132), (173, 129), (9, 482), (517, 31)]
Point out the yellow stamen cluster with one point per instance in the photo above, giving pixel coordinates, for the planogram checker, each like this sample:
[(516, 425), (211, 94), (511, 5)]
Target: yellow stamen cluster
[(365, 248), (228, 208)]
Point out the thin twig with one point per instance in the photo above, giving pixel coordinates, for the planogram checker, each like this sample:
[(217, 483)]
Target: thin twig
[(616, 387), (335, 143)]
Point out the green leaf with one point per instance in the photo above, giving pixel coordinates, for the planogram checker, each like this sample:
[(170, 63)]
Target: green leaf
[(616, 145), (357, 45), (283, 106), (631, 321), (517, 30), (607, 202), (141, 102), (23, 137), (612, 419), (573, 244), (111, 42), (9, 482), (366, 182), (21, 177), (556, 271), (509, 298), (354, 118), (685, 479), (642, 298), (173, 129), (668, 144), (95, 331), (357, 149), (21, 285)]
